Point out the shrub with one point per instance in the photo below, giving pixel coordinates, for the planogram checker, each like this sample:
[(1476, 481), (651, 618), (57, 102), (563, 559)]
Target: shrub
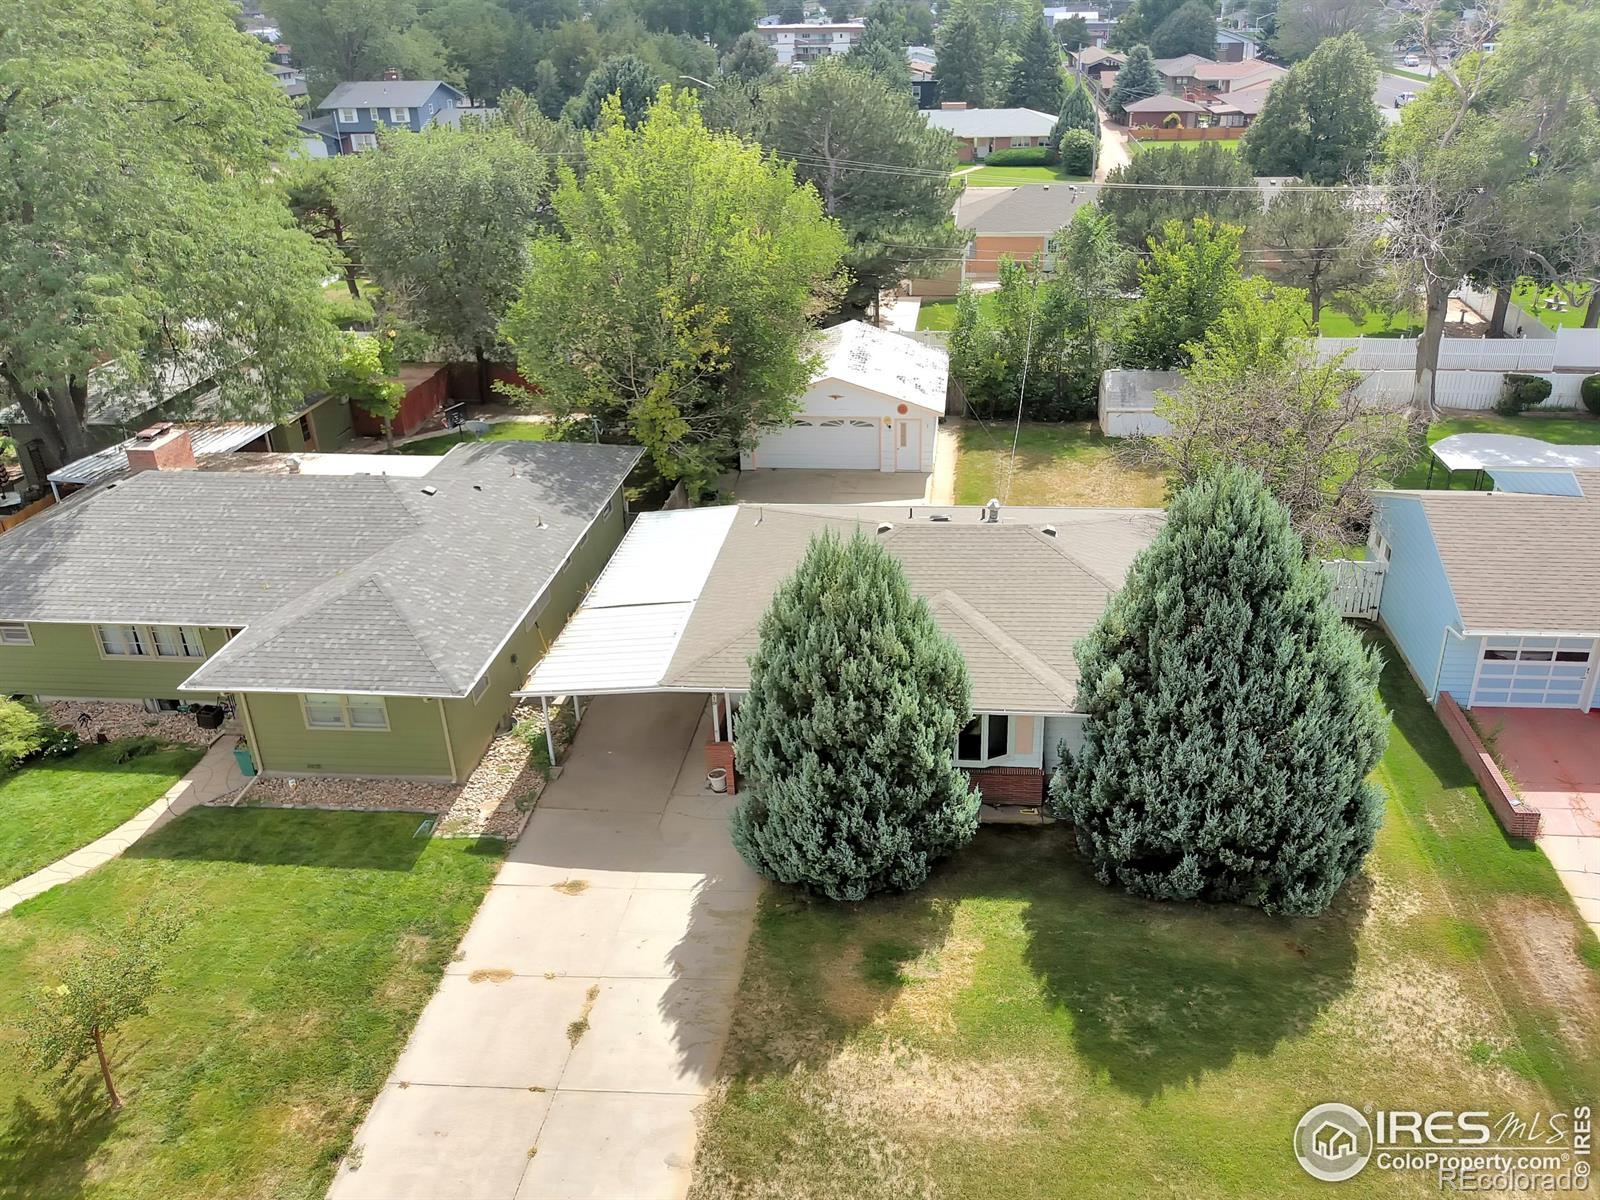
[(23, 732), (59, 742), (1232, 717), (128, 749), (1077, 152), (1522, 392), (347, 312), (846, 740), (1019, 156), (1589, 389)]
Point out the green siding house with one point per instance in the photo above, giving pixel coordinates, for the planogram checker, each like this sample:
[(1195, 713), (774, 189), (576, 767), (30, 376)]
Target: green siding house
[(364, 625)]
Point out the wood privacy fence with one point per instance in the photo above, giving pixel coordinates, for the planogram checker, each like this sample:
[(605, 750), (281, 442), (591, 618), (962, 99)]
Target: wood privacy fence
[(1357, 585), (22, 514)]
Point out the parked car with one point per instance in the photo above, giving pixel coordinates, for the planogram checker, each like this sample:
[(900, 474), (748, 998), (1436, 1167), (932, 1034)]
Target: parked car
[(1413, 61), (1404, 98)]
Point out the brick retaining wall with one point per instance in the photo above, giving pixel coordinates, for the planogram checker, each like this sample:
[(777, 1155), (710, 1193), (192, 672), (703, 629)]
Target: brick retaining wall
[(1009, 785), (1517, 818)]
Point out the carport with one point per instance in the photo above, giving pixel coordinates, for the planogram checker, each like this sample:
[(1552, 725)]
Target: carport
[(1516, 463)]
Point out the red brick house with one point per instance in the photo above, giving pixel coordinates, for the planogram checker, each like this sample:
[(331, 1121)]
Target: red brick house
[(981, 131), (1164, 112)]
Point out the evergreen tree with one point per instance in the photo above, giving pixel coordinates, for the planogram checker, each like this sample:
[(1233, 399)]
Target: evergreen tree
[(846, 738), (1035, 79), (1073, 33), (1232, 717), (1190, 29), (751, 58), (1137, 79), (628, 77), (1319, 121), (880, 52), (1077, 112), (962, 57)]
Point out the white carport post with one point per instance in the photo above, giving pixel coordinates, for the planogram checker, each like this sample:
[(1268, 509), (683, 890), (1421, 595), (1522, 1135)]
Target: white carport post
[(549, 736), (716, 719)]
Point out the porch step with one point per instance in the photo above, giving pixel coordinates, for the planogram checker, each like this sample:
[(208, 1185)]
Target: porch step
[(1013, 814)]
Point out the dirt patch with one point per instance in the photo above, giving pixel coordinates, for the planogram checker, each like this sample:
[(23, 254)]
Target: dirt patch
[(90, 718), (571, 887), (846, 991), (1389, 902), (1542, 943), (490, 975), (576, 1029)]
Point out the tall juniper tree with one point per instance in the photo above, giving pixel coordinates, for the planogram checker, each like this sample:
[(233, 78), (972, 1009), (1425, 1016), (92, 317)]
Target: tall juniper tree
[(846, 738), (1232, 717)]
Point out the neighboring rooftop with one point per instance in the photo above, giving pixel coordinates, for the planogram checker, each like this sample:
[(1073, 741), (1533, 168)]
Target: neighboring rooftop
[(885, 362), (385, 93), (339, 583), (1163, 103), (1030, 208), (1135, 390), (218, 437), (991, 122)]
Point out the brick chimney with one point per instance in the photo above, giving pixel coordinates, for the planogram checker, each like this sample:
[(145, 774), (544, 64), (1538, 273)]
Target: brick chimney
[(392, 73), (163, 447), (948, 105)]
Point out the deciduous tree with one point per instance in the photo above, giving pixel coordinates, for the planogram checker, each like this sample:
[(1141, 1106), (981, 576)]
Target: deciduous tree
[(140, 225), (344, 40), (459, 259), (846, 738), (1311, 239), (1190, 277), (1232, 717), (1190, 28), (1319, 121), (1179, 183), (688, 344), (363, 377), (1303, 25)]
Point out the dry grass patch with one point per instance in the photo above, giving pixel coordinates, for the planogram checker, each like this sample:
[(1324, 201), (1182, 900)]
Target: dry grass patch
[(1056, 464)]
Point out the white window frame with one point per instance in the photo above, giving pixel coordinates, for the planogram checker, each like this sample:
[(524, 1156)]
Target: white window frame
[(362, 142), (480, 689), (987, 756), (9, 631), (346, 722), (401, 115), (144, 641), (349, 116)]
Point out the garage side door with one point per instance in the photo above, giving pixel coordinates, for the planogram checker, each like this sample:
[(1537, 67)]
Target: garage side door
[(838, 443), (1533, 672)]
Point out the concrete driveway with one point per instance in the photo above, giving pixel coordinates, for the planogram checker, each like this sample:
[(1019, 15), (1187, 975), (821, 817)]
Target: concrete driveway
[(579, 1028), (786, 485), (1553, 757)]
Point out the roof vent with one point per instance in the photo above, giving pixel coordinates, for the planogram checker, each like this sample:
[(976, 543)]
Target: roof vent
[(944, 517), (429, 490), (991, 512), (885, 527), (1049, 531)]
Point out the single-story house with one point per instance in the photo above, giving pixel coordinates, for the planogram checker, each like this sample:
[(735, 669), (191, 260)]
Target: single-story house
[(978, 131), (363, 108), (1015, 222), (678, 607), (1239, 109), (363, 624), (1092, 62), (1223, 78), (1128, 401), (873, 405), (1164, 112), (1491, 596)]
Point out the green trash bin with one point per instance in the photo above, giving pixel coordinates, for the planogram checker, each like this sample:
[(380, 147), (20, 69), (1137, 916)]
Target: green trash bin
[(247, 763)]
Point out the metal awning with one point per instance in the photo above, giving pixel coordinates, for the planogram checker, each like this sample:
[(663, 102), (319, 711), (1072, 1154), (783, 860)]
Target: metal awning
[(623, 636), (220, 437), (1509, 452)]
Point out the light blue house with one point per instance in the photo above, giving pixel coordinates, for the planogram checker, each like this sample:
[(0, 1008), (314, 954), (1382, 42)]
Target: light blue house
[(359, 111), (1494, 597)]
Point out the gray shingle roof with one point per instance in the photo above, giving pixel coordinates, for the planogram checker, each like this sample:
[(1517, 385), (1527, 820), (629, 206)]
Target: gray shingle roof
[(339, 583), (991, 122), (1040, 208), (1011, 596), (1518, 561), (385, 93)]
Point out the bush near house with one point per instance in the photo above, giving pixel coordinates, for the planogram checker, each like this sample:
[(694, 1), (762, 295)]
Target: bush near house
[(846, 737), (1077, 152), (1232, 717), (22, 732), (1589, 389), (1521, 393), (1020, 156)]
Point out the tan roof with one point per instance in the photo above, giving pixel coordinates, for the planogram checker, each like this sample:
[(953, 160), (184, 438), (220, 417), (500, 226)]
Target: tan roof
[(1520, 561), (1013, 597)]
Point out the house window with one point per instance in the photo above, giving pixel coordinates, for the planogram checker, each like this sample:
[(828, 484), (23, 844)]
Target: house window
[(349, 116), (363, 141), (985, 738), (400, 116), (149, 641), (480, 689), (327, 711), (610, 504), (15, 633)]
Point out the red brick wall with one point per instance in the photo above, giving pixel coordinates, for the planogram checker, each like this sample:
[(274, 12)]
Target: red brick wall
[(1515, 817), (720, 754), (1009, 785)]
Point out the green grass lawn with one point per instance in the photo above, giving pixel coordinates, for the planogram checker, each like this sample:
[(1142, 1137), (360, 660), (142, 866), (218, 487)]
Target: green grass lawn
[(1015, 176), (1526, 296), (50, 808), (314, 940), (1408, 73), (1016, 1021), (504, 431), (1336, 324), (1071, 463), (941, 314), (1576, 430), (1135, 144)]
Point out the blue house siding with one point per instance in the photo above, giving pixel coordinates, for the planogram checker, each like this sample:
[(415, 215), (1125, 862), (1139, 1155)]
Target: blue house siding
[(368, 118), (1417, 605)]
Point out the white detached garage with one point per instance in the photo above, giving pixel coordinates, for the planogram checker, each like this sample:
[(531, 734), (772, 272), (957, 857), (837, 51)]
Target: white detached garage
[(874, 405)]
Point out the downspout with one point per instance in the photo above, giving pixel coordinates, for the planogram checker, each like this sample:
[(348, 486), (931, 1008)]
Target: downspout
[(250, 733), (449, 750)]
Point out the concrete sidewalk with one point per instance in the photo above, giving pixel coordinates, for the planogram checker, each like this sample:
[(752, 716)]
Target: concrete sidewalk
[(579, 1028), (214, 775)]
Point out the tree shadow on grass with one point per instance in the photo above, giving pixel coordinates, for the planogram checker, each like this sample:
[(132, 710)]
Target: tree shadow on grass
[(46, 1149), (1161, 994), (284, 837)]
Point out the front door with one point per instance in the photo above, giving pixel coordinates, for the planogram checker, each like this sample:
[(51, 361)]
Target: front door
[(908, 445)]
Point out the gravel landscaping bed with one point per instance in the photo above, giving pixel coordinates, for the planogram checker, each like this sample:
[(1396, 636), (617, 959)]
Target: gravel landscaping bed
[(89, 718), (495, 801)]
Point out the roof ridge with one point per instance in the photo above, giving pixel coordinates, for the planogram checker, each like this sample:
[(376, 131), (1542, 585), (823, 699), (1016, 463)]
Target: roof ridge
[(1006, 644), (1056, 544)]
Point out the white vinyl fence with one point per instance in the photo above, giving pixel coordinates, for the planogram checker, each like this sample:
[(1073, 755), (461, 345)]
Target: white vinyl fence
[(1357, 585), (1455, 354)]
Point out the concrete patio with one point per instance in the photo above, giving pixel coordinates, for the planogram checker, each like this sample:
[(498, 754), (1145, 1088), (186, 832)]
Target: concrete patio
[(1553, 758), (579, 1027), (790, 485)]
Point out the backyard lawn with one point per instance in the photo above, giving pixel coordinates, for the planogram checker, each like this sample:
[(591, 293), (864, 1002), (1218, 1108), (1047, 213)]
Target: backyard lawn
[(1072, 463), (1336, 324), (51, 807), (314, 939), (1528, 297), (1015, 176), (1574, 430), (941, 314), (1014, 1020), (503, 431)]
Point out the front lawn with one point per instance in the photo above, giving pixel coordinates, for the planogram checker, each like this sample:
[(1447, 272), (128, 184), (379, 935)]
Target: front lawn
[(501, 431), (51, 807), (1016, 176), (314, 939), (1016, 1028), (1576, 430), (1071, 463)]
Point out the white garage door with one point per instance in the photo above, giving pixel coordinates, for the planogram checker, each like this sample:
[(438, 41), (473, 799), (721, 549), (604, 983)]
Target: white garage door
[(1533, 672), (841, 443)]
